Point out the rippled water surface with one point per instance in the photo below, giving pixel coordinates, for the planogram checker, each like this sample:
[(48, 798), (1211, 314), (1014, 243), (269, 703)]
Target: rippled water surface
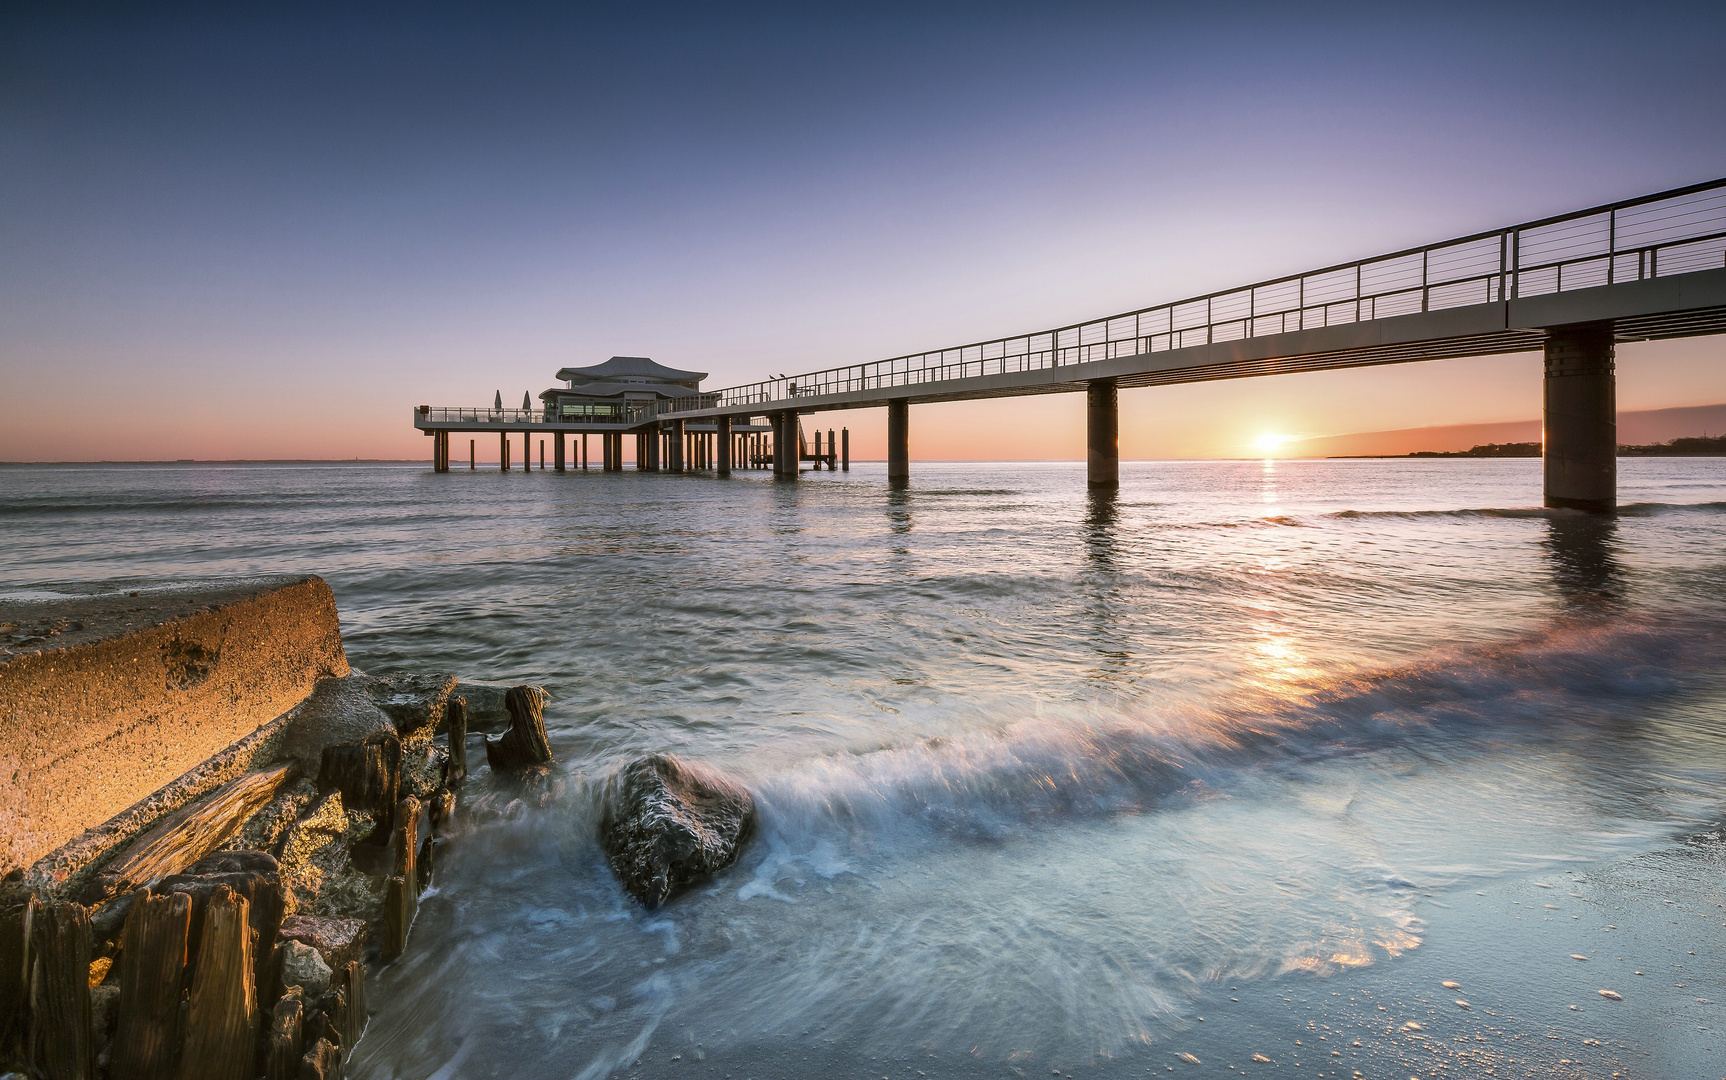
[(1044, 776)]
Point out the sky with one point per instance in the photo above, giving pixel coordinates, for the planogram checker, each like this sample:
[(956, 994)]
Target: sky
[(260, 231)]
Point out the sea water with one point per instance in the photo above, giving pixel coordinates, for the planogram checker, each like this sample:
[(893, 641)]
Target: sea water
[(1044, 776)]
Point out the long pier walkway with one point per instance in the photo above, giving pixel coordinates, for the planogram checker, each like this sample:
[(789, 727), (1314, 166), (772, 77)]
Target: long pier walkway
[(1571, 286)]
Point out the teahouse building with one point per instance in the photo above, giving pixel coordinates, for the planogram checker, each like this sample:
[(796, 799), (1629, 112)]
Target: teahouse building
[(621, 388)]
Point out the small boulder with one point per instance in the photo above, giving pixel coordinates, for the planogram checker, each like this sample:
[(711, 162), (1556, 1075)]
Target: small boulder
[(303, 967), (670, 823), (339, 712), (414, 702), (336, 939)]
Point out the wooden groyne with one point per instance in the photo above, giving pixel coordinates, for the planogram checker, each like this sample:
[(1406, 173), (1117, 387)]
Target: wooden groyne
[(196, 890)]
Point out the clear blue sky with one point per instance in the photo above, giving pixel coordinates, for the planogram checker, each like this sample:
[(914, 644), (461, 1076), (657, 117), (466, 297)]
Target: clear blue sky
[(338, 213)]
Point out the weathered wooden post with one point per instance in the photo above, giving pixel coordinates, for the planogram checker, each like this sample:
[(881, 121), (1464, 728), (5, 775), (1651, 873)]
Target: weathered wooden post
[(152, 972), (16, 932), (222, 1018), (524, 745), (286, 1042), (401, 899), (456, 713), (60, 994)]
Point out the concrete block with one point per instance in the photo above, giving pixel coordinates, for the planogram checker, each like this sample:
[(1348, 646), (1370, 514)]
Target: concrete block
[(110, 692)]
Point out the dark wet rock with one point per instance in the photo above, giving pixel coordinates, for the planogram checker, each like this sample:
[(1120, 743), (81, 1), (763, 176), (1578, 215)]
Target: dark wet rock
[(486, 711), (339, 712), (670, 823), (304, 967), (414, 702), (423, 768)]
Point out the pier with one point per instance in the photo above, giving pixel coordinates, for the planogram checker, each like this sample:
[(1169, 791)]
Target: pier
[(1572, 286)]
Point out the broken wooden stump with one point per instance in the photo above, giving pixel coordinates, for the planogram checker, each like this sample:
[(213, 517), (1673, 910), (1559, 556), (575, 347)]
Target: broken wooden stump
[(524, 745), (398, 916), (456, 711), (401, 900), (285, 1045), (188, 834), (60, 997), (349, 1017), (152, 974), (369, 777), (222, 1019), (254, 875), (16, 924), (441, 808), (322, 1062)]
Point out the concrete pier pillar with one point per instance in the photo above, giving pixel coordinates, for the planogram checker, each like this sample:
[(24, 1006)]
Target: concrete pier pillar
[(1102, 434), (845, 449), (584, 452), (1581, 418), (557, 462), (678, 439), (785, 445), (472, 456), (503, 451), (724, 441), (898, 441)]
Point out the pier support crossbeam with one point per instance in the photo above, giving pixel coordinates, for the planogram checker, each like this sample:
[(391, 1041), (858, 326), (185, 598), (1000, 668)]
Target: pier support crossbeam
[(1581, 418), (1102, 434)]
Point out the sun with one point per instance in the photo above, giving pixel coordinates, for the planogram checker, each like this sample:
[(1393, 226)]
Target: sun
[(1270, 442)]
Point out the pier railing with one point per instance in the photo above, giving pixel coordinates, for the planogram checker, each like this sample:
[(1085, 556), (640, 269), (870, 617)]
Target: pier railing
[(1660, 235), (625, 416)]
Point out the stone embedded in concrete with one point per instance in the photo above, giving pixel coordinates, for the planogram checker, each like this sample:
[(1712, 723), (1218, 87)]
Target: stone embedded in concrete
[(128, 686)]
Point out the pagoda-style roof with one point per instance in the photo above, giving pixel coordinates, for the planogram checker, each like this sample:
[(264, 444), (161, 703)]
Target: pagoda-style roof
[(630, 369)]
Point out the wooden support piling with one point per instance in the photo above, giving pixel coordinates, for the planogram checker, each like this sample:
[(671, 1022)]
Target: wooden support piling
[(503, 451), (222, 1018), (472, 457), (845, 449), (60, 992), (152, 973)]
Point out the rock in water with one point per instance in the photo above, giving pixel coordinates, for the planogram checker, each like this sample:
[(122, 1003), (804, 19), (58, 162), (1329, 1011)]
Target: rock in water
[(668, 824)]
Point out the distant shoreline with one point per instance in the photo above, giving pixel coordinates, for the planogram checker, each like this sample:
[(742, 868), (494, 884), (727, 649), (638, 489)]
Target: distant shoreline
[(1694, 446)]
